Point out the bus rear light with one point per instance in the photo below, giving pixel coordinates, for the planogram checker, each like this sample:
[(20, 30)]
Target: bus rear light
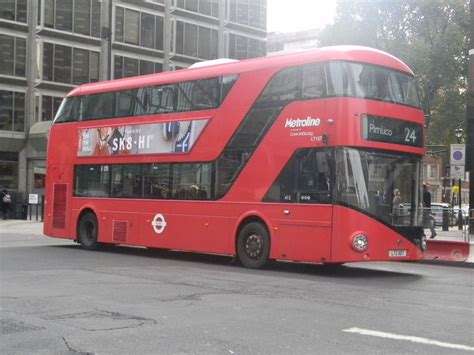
[(360, 242)]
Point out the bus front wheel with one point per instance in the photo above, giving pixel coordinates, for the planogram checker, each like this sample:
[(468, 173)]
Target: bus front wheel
[(88, 231), (253, 245)]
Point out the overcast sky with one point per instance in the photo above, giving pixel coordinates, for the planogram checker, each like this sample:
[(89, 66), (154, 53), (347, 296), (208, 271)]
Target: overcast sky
[(299, 15)]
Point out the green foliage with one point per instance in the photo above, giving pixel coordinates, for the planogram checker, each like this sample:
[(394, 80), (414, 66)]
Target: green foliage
[(430, 36)]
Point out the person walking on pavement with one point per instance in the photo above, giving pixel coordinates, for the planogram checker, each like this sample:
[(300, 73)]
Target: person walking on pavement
[(427, 210), (5, 201)]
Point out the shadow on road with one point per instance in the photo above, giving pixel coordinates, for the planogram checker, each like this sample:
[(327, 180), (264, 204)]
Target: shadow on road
[(350, 270)]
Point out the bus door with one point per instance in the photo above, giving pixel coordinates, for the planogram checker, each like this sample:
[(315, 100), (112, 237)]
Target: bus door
[(304, 221)]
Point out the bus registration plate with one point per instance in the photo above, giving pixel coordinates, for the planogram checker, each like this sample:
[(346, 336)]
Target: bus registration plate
[(397, 253)]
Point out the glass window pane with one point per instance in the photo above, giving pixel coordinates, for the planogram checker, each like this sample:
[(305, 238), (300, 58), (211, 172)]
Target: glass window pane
[(241, 47), (191, 181), (98, 106), (147, 36), (191, 5), (21, 10), (6, 54), (232, 40), (64, 15), (156, 181), (243, 12), (19, 114), (9, 174), (314, 82), (62, 63), (118, 67), (91, 180), (94, 67), (204, 43), (49, 13), (127, 103), (190, 40), (132, 28), (48, 56), (158, 67), (119, 24), (46, 108), (159, 33), (146, 67), (205, 7), (214, 42), (254, 48), (95, 30), (6, 110), (82, 13), (233, 10), (8, 10), (56, 104), (20, 57), (130, 67), (179, 37), (127, 180), (80, 66)]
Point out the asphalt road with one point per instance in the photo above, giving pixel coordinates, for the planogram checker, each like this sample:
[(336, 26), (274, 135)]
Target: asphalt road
[(58, 298)]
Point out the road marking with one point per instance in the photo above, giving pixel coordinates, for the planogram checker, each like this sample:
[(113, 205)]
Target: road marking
[(413, 339)]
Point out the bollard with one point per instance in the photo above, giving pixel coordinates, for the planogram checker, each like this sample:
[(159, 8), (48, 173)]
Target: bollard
[(445, 219)]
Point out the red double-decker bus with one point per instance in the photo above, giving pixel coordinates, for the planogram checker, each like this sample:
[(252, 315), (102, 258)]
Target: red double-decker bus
[(311, 156)]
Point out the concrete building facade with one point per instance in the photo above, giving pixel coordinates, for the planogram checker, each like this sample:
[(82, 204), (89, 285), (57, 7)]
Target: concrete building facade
[(47, 47)]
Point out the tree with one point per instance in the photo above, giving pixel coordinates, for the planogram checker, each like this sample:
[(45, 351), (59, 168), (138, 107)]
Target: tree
[(430, 36)]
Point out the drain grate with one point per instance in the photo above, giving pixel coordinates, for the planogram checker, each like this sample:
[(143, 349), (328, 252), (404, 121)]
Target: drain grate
[(8, 326)]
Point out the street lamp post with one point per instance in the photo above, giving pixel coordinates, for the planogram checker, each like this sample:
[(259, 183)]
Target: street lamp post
[(458, 133)]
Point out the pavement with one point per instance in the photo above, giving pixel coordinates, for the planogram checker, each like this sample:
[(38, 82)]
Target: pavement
[(453, 245)]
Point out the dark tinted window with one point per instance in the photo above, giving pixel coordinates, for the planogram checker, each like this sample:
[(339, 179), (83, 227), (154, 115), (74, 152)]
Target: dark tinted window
[(69, 110), (98, 106), (185, 96), (178, 181), (91, 181), (306, 178)]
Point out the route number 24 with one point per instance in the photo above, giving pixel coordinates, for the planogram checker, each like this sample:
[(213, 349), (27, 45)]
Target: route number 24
[(410, 135)]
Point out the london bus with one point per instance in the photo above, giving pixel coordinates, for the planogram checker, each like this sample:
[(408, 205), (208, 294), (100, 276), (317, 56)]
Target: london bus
[(293, 157)]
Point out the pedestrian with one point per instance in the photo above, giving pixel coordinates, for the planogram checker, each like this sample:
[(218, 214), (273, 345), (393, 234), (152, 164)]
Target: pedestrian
[(427, 222), (397, 200), (5, 202)]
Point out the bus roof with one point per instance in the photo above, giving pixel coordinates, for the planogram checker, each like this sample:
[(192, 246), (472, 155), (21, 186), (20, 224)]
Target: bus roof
[(349, 53)]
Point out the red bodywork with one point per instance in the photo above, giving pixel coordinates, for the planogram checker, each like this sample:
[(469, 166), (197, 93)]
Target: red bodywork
[(310, 233)]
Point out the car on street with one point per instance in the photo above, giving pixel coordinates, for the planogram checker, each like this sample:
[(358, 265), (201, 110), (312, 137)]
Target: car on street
[(437, 213), (464, 213)]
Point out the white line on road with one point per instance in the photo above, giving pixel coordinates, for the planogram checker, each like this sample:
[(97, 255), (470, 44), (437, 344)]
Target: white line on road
[(413, 339)]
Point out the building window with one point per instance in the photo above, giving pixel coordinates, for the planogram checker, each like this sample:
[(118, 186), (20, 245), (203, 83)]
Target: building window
[(205, 7), (433, 171), (12, 111), (9, 170), (138, 28), (196, 41), (241, 47), (125, 67), (49, 107), (76, 16), (12, 55), (14, 10), (69, 65), (251, 13)]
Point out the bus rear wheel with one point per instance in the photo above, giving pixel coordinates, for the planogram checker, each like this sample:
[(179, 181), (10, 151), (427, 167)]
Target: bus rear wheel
[(88, 231), (253, 245)]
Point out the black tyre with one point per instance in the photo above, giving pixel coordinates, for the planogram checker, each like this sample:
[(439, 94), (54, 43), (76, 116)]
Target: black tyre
[(253, 245), (88, 231)]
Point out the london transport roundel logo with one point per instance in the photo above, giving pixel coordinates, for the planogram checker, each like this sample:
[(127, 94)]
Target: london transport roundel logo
[(158, 223)]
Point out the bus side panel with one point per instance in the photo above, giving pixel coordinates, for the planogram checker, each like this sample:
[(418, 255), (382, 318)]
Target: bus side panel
[(300, 232), (208, 233), (58, 202), (348, 223)]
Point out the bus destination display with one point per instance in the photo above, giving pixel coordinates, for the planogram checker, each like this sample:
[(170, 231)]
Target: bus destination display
[(389, 130)]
